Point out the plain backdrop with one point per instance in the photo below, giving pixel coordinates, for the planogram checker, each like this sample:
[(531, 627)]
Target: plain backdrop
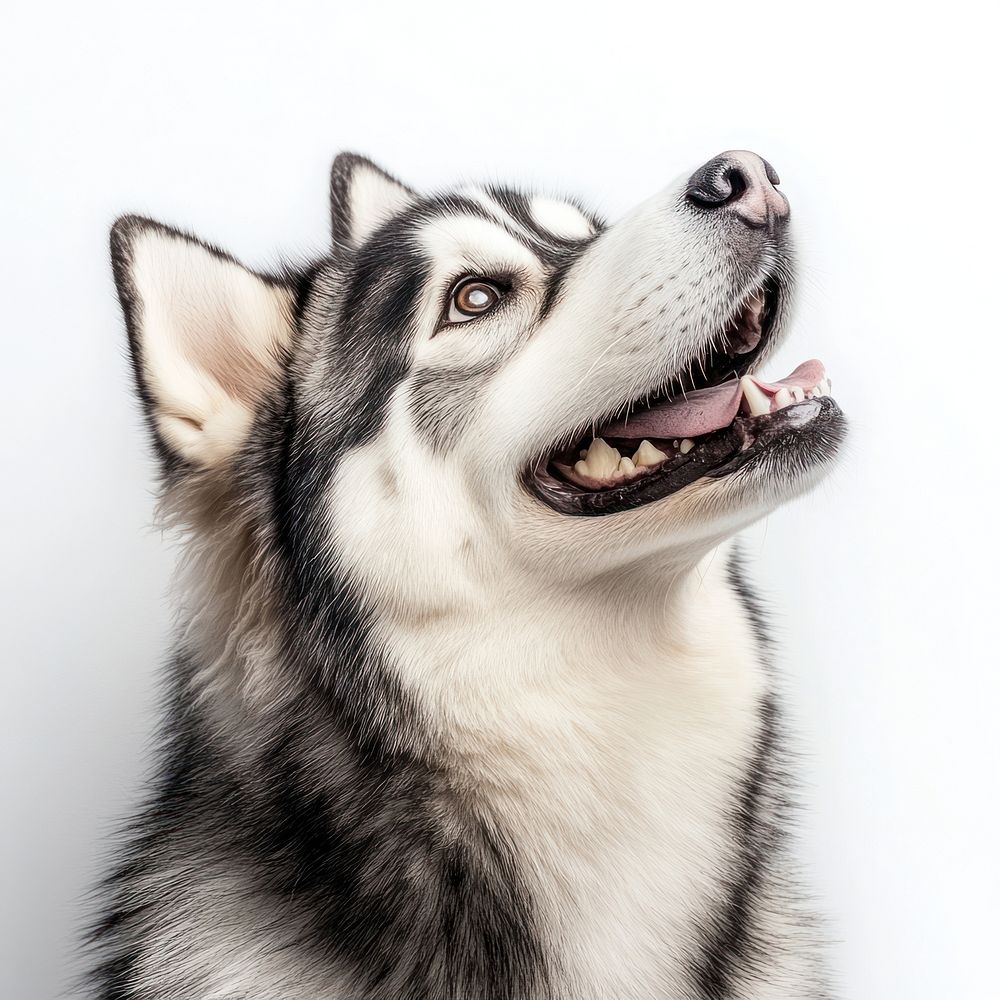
[(224, 119)]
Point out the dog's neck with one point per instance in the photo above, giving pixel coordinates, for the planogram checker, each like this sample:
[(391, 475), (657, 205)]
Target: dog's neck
[(495, 654)]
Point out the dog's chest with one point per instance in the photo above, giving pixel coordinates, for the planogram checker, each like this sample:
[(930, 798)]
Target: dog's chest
[(616, 779)]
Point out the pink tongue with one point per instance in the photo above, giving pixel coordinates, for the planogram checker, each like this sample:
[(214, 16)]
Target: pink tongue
[(706, 410)]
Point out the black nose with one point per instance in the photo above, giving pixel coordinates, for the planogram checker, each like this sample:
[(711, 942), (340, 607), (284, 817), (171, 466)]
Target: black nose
[(742, 183)]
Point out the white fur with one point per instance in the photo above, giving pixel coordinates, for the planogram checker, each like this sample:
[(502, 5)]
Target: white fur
[(561, 218)]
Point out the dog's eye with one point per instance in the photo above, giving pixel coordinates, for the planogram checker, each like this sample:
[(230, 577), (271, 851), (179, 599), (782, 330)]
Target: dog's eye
[(472, 297)]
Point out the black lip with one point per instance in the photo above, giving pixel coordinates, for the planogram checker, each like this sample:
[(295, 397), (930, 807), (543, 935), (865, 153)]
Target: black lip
[(798, 436)]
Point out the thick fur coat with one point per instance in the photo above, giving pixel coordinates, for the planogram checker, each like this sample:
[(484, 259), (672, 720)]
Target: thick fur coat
[(452, 715)]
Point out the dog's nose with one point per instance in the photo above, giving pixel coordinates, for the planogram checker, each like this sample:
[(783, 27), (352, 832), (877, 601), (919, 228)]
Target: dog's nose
[(742, 183)]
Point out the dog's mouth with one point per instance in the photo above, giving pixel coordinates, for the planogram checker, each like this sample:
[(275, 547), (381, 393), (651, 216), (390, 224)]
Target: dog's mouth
[(711, 423)]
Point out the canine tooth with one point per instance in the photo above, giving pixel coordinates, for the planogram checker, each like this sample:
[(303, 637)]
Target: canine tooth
[(581, 468), (686, 445), (602, 458), (626, 465), (648, 454), (782, 398), (756, 398)]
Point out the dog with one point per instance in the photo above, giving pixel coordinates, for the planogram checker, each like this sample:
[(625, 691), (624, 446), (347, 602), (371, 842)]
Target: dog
[(471, 697)]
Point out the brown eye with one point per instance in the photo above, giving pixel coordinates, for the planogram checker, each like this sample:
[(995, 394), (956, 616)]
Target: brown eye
[(472, 297)]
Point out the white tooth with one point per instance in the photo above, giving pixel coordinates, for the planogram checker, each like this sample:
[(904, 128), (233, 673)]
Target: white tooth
[(686, 445), (756, 398), (582, 469), (782, 398), (626, 465), (602, 458), (648, 454), (825, 387), (797, 394), (677, 443)]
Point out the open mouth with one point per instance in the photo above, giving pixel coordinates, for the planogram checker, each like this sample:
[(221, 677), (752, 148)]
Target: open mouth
[(710, 424)]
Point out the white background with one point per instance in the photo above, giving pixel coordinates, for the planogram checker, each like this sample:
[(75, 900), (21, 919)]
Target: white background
[(224, 120)]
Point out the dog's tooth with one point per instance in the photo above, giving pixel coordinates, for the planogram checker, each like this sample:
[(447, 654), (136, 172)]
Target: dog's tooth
[(648, 454), (626, 465), (582, 469), (602, 458), (783, 398), (757, 399), (797, 394), (686, 445), (825, 387)]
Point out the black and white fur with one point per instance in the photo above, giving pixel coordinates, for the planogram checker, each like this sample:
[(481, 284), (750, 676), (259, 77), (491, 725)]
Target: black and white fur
[(427, 738)]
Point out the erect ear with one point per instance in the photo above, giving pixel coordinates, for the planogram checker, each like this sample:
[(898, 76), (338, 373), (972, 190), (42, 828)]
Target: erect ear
[(207, 337), (363, 197)]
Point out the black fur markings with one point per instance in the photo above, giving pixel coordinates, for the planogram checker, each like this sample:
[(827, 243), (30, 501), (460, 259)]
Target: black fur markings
[(408, 910), (729, 942)]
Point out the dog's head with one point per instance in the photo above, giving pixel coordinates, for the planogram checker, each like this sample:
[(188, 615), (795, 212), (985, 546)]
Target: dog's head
[(489, 365)]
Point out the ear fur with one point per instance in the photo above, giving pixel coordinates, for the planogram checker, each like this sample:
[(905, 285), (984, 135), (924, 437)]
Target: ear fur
[(363, 197), (207, 338)]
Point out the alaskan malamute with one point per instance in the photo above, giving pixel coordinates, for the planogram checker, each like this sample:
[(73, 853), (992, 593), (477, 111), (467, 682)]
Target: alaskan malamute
[(470, 697)]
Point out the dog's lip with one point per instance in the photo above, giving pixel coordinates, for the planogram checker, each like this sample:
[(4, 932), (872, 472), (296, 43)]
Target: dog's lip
[(795, 428)]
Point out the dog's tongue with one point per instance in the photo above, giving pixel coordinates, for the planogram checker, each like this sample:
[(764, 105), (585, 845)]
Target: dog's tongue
[(706, 410)]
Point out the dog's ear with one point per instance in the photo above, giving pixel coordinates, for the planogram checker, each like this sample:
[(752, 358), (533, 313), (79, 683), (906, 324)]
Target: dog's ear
[(363, 197), (207, 338)]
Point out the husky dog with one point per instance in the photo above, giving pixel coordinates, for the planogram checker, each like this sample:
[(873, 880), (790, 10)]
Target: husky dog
[(470, 699)]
